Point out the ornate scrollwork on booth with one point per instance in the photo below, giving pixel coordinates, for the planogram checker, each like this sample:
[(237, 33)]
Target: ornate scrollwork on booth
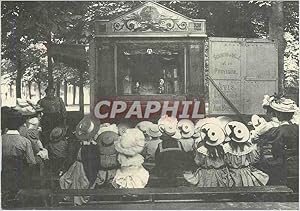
[(149, 19)]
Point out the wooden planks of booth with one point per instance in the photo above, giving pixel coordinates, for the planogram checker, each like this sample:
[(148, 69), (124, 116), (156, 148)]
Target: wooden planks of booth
[(244, 70)]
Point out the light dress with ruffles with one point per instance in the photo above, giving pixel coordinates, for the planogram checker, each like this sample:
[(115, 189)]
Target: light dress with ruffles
[(212, 172), (131, 174), (241, 171), (75, 178)]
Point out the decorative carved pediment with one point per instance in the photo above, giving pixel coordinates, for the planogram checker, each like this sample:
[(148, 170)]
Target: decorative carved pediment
[(151, 18)]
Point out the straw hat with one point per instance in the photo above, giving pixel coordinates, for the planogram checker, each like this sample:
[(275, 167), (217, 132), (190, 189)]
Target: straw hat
[(106, 142), (170, 130), (24, 107), (213, 134), (284, 105), (57, 134), (106, 127), (204, 121), (144, 126), (187, 128), (168, 125), (154, 131), (237, 131), (86, 129), (131, 142)]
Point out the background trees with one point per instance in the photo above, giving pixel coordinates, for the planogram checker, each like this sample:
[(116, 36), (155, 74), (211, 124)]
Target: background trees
[(29, 29)]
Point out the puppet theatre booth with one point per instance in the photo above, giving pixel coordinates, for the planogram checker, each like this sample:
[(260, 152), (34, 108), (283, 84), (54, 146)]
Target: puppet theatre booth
[(149, 54)]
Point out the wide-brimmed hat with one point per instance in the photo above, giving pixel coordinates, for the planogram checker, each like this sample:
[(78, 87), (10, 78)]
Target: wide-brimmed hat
[(213, 134), (144, 126), (170, 130), (24, 107), (168, 125), (204, 121), (153, 131), (106, 127), (106, 142), (237, 131), (131, 143), (284, 105), (86, 129), (57, 134), (186, 127)]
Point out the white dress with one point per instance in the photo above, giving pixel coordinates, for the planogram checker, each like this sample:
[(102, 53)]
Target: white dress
[(131, 174)]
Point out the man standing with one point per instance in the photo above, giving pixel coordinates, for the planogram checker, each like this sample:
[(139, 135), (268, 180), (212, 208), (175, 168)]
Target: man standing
[(54, 113)]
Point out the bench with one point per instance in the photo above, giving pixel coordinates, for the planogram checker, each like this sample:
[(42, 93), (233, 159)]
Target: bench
[(177, 194)]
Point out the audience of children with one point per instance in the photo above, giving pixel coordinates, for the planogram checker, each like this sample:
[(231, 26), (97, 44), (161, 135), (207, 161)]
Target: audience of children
[(214, 152)]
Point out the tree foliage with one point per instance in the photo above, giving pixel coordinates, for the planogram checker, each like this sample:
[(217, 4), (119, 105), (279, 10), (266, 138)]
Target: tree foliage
[(26, 23)]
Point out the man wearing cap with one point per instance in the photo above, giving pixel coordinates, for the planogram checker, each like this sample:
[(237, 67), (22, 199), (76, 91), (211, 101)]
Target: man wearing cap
[(54, 113)]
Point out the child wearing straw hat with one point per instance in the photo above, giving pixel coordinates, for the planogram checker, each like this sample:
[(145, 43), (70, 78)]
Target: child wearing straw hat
[(57, 149), (170, 158), (212, 170), (187, 130), (108, 158), (131, 174), (152, 144), (83, 172), (240, 155)]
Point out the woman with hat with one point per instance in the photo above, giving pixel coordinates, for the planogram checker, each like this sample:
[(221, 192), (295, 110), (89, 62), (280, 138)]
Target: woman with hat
[(212, 170), (83, 172), (277, 139), (240, 155), (170, 158)]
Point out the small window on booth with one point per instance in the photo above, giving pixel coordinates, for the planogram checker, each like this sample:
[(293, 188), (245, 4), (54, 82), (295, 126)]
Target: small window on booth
[(150, 70)]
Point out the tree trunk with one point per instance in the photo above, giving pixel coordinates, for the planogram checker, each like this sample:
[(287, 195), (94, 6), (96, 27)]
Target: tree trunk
[(58, 88), (49, 59), (19, 76), (66, 92), (74, 93), (276, 33), (81, 94), (39, 88), (29, 89)]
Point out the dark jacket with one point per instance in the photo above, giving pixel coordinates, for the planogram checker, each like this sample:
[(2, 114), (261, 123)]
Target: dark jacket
[(275, 146)]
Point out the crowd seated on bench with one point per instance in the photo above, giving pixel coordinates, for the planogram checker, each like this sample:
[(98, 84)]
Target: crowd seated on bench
[(213, 152)]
